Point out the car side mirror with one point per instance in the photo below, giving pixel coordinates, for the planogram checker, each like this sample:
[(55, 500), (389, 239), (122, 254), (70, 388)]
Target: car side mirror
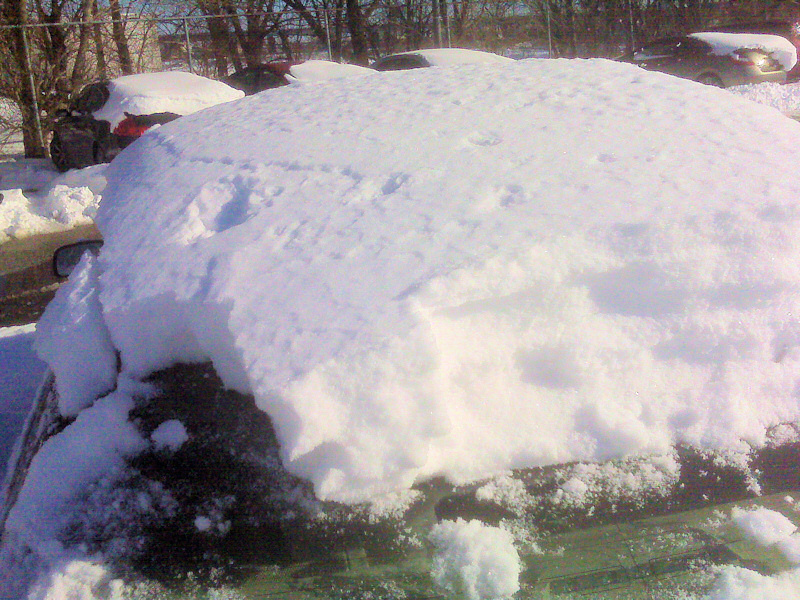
[(66, 258)]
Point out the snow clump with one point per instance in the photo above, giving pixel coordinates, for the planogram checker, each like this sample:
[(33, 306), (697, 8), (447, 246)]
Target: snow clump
[(169, 435), (474, 561), (764, 526), (468, 270)]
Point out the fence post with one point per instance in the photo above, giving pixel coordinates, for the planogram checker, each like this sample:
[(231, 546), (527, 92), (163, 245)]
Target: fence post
[(37, 121), (328, 33), (188, 45), (549, 31)]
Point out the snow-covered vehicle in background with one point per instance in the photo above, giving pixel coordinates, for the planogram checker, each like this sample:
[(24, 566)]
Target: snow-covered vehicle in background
[(460, 333), (258, 78), (719, 59), (436, 57), (106, 116)]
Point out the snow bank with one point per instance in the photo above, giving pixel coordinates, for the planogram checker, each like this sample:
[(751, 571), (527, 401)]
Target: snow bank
[(73, 339), (60, 203), (77, 580), (173, 91), (474, 561), (737, 583), (312, 71), (458, 272), (783, 97), (726, 43)]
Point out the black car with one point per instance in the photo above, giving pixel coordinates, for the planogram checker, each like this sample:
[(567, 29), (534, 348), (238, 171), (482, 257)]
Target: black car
[(257, 78), (693, 58), (80, 140), (106, 116)]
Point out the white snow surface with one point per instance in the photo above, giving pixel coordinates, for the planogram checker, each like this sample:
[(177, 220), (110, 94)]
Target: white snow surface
[(783, 97), (312, 71), (72, 338), (738, 583), (171, 91), (458, 272), (474, 561), (726, 43), (448, 57)]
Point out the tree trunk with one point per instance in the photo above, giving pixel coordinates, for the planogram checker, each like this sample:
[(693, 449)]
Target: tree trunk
[(358, 38), (120, 40)]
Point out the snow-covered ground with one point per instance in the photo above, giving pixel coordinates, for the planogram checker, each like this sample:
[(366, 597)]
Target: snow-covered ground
[(448, 272), (785, 98), (35, 198)]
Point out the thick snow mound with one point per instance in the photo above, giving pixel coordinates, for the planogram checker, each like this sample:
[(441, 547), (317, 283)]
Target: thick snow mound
[(726, 43), (174, 91), (468, 270)]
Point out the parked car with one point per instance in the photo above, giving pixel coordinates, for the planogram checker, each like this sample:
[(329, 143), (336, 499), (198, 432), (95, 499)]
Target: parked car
[(435, 57), (106, 116), (257, 78), (252, 80), (446, 334), (789, 30), (693, 58)]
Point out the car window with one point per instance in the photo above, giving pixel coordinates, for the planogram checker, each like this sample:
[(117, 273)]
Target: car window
[(657, 50), (91, 98), (401, 62)]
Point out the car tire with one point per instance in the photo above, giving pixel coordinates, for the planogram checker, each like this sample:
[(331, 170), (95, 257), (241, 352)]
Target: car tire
[(712, 80), (57, 154)]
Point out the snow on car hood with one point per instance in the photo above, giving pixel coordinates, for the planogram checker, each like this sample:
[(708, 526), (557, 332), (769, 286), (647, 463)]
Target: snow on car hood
[(175, 92), (459, 272), (312, 71), (726, 43), (447, 57)]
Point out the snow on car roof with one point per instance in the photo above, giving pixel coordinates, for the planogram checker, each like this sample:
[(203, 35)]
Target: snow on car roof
[(726, 43), (445, 57), (174, 91), (457, 272), (323, 70)]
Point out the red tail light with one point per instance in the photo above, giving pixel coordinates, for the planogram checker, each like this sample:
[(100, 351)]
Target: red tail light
[(128, 127)]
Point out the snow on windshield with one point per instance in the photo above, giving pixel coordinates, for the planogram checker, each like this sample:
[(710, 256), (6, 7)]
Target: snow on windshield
[(726, 43), (460, 272), (446, 57), (174, 92)]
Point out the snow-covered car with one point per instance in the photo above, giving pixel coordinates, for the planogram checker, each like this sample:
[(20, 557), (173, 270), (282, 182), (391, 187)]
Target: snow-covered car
[(493, 331), (719, 59), (436, 57), (108, 115), (258, 78)]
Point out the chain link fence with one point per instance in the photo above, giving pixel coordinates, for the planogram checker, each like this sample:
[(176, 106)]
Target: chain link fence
[(66, 56)]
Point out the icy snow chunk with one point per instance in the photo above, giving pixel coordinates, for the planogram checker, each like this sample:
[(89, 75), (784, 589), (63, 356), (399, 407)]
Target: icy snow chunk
[(72, 338), (738, 583), (77, 580), (725, 43), (170, 434), (404, 304), (174, 92), (474, 561), (766, 527)]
